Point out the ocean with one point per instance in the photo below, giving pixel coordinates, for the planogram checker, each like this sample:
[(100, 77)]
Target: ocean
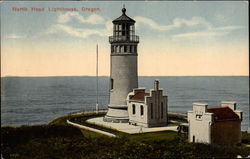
[(38, 100)]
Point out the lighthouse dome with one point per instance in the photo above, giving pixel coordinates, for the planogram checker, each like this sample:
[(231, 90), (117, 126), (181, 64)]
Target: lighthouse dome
[(123, 18)]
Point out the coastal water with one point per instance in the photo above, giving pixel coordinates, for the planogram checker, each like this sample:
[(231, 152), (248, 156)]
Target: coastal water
[(38, 100)]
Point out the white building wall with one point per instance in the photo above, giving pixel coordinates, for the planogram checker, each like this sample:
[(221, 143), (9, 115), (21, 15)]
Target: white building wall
[(125, 79), (137, 118), (159, 103), (157, 99), (199, 123), (203, 129)]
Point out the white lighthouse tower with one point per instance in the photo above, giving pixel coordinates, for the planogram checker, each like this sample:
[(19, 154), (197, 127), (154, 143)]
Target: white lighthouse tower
[(123, 75)]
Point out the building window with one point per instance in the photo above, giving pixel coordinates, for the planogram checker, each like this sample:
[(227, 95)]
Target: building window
[(142, 110), (193, 138), (132, 29), (122, 48), (198, 117), (133, 48), (125, 48), (133, 109), (161, 110), (128, 48), (111, 84), (151, 106), (116, 27), (112, 48), (117, 49)]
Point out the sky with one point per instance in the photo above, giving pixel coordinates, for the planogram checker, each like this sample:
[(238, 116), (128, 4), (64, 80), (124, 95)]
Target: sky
[(176, 38)]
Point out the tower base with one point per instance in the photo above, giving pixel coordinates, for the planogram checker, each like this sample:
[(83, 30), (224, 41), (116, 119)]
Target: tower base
[(117, 115)]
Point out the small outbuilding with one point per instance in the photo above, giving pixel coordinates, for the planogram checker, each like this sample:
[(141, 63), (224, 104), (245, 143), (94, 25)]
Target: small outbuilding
[(148, 109), (217, 125)]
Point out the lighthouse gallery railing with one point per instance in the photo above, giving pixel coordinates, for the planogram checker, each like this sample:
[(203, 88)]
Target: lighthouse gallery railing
[(131, 38)]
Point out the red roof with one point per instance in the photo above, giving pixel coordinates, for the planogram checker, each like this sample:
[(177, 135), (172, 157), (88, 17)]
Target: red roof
[(222, 113), (139, 96)]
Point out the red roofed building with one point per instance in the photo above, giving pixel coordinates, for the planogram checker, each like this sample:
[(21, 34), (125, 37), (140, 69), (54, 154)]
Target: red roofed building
[(139, 96), (217, 125), (223, 113), (147, 109)]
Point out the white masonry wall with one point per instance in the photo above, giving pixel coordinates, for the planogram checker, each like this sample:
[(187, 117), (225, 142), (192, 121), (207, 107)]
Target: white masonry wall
[(158, 102), (199, 123), (155, 108), (137, 118)]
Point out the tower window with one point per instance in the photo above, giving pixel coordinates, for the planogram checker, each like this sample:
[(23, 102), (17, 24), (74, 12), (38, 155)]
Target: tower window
[(125, 48), (130, 48), (127, 26), (131, 27), (161, 110), (142, 110), (122, 48), (112, 48), (116, 27), (133, 109), (111, 84), (117, 48), (151, 106), (133, 48)]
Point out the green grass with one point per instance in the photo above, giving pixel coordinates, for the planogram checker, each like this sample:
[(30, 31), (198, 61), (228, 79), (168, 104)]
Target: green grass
[(245, 137), (58, 140), (155, 136)]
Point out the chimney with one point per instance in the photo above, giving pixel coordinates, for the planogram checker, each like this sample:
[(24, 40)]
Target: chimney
[(200, 108), (157, 85), (230, 104)]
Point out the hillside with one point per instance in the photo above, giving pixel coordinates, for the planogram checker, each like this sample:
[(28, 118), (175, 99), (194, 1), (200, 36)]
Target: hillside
[(59, 140)]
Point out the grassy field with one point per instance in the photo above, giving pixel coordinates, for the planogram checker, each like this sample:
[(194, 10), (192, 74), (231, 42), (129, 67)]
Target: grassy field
[(58, 140)]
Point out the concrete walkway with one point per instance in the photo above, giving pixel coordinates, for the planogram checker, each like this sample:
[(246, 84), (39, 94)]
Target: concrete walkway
[(90, 129), (131, 129)]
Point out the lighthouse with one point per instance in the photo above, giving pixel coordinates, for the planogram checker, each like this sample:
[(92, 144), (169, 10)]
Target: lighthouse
[(123, 67)]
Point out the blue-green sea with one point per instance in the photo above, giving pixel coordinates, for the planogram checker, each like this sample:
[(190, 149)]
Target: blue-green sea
[(38, 100)]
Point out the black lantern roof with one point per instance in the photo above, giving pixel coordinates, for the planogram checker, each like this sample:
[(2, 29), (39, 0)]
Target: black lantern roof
[(124, 17)]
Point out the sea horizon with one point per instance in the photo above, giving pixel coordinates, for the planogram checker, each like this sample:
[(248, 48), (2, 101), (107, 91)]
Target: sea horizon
[(38, 100)]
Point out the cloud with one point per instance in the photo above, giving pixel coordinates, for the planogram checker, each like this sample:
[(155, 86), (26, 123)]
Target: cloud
[(198, 34), (228, 28), (15, 36), (63, 25), (105, 26), (211, 32), (92, 19), (77, 32), (176, 23), (208, 30)]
